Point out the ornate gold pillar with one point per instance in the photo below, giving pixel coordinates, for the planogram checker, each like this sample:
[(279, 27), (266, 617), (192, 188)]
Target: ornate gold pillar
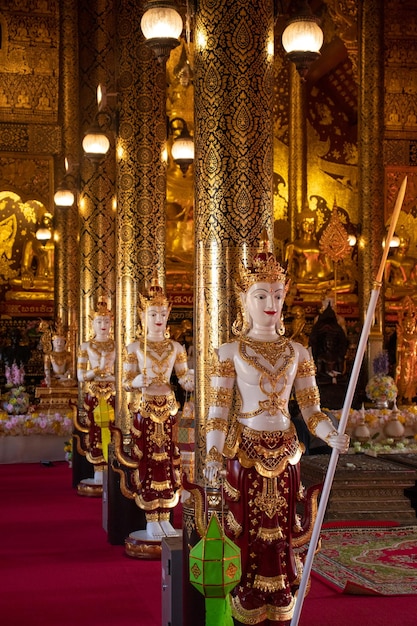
[(233, 165), (67, 275), (97, 201), (297, 155), (371, 171), (141, 179)]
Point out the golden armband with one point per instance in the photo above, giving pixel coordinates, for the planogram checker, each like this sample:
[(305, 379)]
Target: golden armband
[(82, 366), (223, 369), (216, 423), (221, 396), (308, 396), (181, 358), (314, 420), (214, 455), (306, 368)]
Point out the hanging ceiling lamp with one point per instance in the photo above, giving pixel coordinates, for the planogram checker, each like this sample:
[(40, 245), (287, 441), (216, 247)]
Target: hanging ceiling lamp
[(64, 197), (161, 25), (302, 37), (182, 149), (95, 144)]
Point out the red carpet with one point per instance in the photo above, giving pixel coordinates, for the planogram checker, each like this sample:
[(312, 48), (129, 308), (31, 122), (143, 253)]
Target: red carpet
[(58, 569), (369, 560)]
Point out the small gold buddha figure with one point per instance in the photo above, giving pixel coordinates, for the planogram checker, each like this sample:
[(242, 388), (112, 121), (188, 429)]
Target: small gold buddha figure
[(37, 267), (298, 325), (401, 269), (307, 265), (406, 366), (310, 264)]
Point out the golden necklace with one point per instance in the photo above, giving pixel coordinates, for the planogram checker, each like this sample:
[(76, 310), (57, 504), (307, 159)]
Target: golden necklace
[(100, 347), (270, 351), (158, 347)]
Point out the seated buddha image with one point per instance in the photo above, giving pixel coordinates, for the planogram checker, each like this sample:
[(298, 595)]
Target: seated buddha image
[(312, 270), (37, 266), (180, 246), (400, 270)]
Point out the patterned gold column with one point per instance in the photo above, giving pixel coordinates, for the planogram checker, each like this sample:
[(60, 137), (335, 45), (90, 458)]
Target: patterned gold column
[(370, 144), (297, 156), (97, 201), (141, 177), (233, 165), (67, 279)]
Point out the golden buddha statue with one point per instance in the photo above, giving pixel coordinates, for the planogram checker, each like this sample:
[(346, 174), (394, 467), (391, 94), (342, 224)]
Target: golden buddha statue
[(298, 325), (58, 365), (310, 265), (400, 270), (406, 368), (37, 267)]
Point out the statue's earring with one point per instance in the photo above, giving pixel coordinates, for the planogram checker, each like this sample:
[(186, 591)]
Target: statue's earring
[(167, 333), (241, 325), (281, 329)]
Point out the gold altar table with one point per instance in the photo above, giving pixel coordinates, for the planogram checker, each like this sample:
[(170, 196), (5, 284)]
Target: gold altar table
[(364, 488)]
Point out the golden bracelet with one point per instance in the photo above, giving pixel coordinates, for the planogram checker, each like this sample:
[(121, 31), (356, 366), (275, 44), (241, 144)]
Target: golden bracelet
[(214, 455), (82, 366), (314, 420), (221, 396), (330, 434), (308, 397), (128, 376), (217, 423), (306, 368)]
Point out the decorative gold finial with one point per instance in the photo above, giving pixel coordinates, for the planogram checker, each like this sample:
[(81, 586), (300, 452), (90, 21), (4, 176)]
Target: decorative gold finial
[(262, 267), (155, 296)]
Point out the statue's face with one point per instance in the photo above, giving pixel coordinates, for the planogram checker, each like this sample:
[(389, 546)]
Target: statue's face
[(308, 225), (102, 325), (58, 343), (264, 303), (157, 319)]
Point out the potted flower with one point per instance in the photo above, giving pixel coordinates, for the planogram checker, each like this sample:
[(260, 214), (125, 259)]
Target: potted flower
[(381, 388), (16, 401)]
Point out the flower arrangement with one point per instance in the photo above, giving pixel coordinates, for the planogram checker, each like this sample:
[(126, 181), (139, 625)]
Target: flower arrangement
[(15, 375), (35, 424), (378, 441), (381, 388), (15, 401)]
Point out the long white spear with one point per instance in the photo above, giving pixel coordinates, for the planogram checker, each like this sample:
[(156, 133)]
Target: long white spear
[(346, 407)]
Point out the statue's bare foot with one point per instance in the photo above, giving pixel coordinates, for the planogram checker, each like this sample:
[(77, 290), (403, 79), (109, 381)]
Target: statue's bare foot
[(154, 530), (168, 529)]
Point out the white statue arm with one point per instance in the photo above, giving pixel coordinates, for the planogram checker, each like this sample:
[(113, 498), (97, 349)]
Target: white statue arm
[(308, 398), (130, 368), (221, 398), (84, 373), (184, 374)]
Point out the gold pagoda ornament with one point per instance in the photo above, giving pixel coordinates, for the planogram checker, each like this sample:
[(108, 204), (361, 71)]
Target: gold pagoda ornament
[(334, 241)]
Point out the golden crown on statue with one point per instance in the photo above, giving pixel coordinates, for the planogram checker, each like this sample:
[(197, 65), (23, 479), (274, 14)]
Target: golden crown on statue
[(103, 307), (262, 267), (155, 296)]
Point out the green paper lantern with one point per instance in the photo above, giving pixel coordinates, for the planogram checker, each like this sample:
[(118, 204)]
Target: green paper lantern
[(215, 567)]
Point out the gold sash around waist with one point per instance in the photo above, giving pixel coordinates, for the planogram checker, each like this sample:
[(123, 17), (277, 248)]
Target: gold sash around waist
[(159, 408), (268, 452)]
